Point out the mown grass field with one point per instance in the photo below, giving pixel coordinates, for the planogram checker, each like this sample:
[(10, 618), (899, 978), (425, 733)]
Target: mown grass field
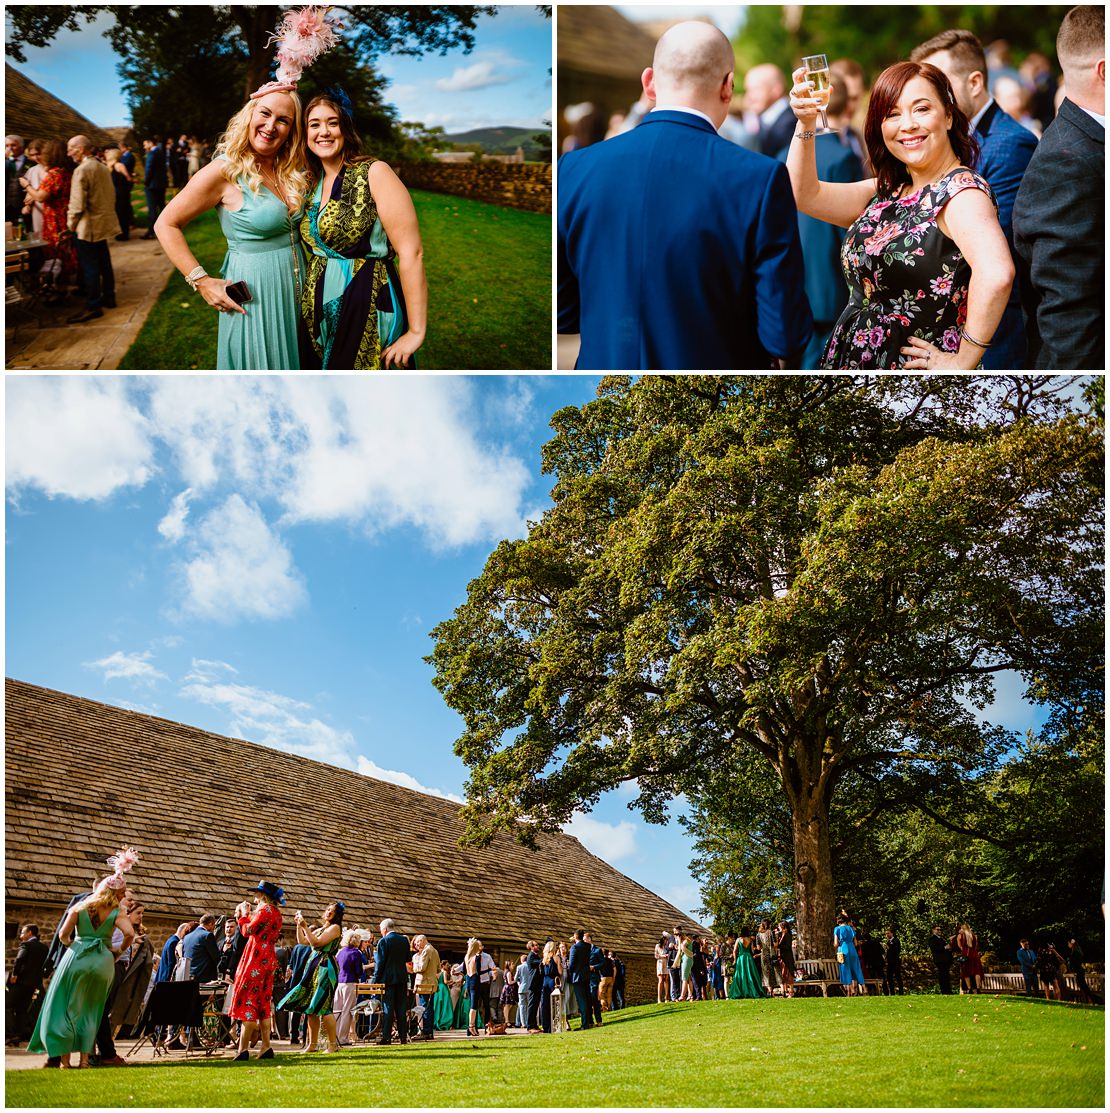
[(878, 1051), (489, 283)]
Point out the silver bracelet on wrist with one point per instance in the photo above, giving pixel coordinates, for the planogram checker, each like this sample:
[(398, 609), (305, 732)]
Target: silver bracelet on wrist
[(195, 275), (803, 135)]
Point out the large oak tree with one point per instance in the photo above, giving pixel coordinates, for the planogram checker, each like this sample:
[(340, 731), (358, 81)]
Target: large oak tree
[(818, 575)]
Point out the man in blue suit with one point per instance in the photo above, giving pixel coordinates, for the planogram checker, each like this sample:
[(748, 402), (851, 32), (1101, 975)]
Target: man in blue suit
[(597, 959), (1005, 148), (391, 958), (1060, 212), (155, 181), (677, 249), (826, 287), (579, 963)]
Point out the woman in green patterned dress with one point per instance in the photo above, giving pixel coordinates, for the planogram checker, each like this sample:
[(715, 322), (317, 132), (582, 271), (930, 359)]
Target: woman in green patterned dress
[(365, 295), (313, 993)]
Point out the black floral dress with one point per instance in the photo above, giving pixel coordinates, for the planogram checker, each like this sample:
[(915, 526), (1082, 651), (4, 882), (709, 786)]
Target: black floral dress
[(905, 278)]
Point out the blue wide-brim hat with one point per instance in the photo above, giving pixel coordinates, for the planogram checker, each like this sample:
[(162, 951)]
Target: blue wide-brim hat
[(274, 892)]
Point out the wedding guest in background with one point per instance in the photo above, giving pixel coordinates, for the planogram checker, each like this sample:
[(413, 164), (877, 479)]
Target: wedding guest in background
[(892, 964), (971, 969), (15, 166), (765, 97), (351, 964), (121, 181), (425, 965), (252, 995), (662, 975), (32, 175), (1027, 960), (53, 195), (92, 217), (784, 945), (1060, 211), (155, 181), (24, 981), (849, 73), (314, 992)]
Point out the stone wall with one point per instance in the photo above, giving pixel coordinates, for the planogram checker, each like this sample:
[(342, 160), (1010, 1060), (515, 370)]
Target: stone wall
[(524, 186)]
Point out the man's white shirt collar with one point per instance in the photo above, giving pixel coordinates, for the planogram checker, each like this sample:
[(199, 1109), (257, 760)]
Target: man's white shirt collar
[(684, 108), (769, 115), (979, 115), (1094, 115)]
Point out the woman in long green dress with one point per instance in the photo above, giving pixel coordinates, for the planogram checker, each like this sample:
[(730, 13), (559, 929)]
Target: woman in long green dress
[(74, 1003), (746, 981), (365, 294), (256, 183), (313, 993), (444, 1009)]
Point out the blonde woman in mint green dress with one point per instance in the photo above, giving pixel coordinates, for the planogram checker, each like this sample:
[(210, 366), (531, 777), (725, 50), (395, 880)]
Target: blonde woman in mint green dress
[(257, 185), (74, 1002)]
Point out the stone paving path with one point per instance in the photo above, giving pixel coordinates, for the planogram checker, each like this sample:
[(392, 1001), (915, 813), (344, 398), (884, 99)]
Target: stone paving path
[(141, 270)]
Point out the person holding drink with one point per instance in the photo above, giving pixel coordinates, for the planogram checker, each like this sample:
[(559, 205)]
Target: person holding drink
[(927, 265)]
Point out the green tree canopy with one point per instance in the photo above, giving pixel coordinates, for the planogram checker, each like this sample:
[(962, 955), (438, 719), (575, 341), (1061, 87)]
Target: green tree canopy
[(815, 575)]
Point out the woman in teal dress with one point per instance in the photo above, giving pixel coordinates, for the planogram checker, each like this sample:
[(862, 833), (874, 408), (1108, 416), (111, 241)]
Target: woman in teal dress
[(74, 1003), (444, 1009), (844, 939), (746, 981), (313, 993), (257, 184), (365, 293)]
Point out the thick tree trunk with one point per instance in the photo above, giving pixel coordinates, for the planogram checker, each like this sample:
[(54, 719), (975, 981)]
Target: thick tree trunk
[(813, 881), (256, 24)]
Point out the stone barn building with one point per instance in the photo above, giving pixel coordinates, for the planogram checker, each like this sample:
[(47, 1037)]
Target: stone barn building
[(33, 113), (211, 815)]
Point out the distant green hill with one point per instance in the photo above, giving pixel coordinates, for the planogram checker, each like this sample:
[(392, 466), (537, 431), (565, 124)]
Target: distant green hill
[(503, 140)]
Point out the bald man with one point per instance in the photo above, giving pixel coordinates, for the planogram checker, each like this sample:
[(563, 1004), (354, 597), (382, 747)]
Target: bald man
[(765, 96), (677, 249)]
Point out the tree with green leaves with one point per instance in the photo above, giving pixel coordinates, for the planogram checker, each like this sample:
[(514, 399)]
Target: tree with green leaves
[(814, 577), (188, 68)]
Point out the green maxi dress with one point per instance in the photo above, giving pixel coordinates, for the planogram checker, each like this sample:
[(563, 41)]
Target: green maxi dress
[(444, 1010), (746, 981), (314, 993), (74, 1001), (263, 250)]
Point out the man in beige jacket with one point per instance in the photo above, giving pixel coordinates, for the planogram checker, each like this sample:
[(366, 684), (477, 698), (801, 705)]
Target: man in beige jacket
[(92, 215), (425, 965)]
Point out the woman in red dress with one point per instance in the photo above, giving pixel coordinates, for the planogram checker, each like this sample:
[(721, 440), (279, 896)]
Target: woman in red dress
[(971, 969), (253, 991), (53, 195)]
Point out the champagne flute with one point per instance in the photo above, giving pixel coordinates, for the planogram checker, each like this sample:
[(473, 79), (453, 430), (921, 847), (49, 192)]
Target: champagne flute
[(817, 72)]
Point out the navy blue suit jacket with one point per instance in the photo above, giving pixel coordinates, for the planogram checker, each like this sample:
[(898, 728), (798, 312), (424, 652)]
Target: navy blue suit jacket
[(597, 958), (154, 169), (200, 948), (390, 956), (678, 250), (578, 961), (826, 287), (1005, 148), (1060, 238)]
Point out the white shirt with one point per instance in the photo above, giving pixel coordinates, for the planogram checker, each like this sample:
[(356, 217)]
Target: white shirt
[(979, 115), (769, 115), (684, 108), (1101, 120)]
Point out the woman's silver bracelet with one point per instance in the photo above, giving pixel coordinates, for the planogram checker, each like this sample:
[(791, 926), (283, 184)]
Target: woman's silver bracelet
[(971, 339), (195, 275)]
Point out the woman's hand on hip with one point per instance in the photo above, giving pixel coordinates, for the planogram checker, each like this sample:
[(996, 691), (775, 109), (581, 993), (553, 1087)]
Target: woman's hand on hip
[(213, 290), (920, 355), (401, 351)]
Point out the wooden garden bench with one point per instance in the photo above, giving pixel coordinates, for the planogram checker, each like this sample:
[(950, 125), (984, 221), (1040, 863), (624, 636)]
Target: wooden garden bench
[(825, 972)]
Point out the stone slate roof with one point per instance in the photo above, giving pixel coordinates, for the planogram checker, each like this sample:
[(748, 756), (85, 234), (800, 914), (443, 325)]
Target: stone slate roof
[(597, 39), (33, 113), (212, 815)]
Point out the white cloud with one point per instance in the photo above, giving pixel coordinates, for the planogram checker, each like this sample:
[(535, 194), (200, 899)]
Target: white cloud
[(609, 841), (369, 769), (128, 666), (78, 438), (480, 75), (172, 526), (376, 453), (205, 670), (240, 568), (274, 720)]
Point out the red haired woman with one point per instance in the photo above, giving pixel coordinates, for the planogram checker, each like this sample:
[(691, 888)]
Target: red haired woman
[(927, 265)]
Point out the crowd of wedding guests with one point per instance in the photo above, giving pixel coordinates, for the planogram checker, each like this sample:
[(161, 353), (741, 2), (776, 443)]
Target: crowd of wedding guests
[(329, 986), (76, 197), (889, 243)]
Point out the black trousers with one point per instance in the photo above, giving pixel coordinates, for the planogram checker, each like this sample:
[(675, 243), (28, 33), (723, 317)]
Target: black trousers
[(125, 214), (545, 1007), (595, 1001), (585, 1009), (97, 279), (19, 998), (892, 974), (155, 203), (944, 977), (394, 1009)]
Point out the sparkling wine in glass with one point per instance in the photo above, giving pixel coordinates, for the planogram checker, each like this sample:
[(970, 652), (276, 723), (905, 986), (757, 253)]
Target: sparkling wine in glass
[(817, 71)]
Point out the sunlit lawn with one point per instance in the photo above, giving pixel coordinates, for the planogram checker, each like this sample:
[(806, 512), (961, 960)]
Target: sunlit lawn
[(921, 1050), (489, 281)]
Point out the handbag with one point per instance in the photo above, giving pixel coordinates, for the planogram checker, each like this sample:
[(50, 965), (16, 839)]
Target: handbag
[(840, 957)]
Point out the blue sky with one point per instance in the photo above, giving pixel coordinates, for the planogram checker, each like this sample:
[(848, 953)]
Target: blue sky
[(504, 80), (728, 17), (264, 557)]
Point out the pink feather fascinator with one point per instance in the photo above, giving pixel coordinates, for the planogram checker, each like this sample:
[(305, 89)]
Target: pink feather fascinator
[(302, 37)]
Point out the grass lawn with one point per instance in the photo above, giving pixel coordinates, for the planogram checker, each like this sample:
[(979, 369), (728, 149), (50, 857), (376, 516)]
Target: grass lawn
[(489, 282), (879, 1051)]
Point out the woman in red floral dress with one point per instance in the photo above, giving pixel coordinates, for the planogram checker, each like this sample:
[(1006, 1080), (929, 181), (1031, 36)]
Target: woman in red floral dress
[(253, 991), (53, 195)]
